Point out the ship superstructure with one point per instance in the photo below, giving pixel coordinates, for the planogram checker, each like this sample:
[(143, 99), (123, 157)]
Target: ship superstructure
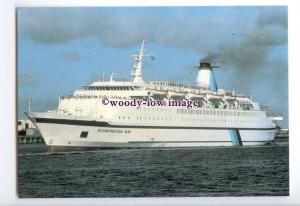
[(154, 114)]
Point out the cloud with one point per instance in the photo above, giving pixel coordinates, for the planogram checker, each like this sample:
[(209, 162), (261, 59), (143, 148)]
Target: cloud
[(28, 79), (233, 37), (228, 36), (48, 25), (250, 56), (251, 52), (71, 56), (127, 26)]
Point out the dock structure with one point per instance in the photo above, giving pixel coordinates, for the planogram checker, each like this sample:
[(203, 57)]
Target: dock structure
[(30, 140), (28, 133), (282, 133)]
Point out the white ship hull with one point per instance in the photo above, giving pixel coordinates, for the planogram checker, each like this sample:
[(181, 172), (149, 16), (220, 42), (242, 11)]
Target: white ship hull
[(66, 134)]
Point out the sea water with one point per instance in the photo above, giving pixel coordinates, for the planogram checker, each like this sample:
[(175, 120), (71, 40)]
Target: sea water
[(157, 172)]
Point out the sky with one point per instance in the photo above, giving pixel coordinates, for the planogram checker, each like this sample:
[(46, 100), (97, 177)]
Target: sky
[(61, 49)]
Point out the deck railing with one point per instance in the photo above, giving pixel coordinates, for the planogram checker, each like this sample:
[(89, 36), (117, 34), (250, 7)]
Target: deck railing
[(173, 84)]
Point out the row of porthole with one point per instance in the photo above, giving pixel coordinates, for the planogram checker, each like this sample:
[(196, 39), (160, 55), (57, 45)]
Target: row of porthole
[(123, 117), (203, 112), (155, 109), (146, 118), (153, 118), (189, 119), (218, 113), (218, 120)]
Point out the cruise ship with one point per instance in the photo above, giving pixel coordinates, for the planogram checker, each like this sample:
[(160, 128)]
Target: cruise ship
[(138, 113)]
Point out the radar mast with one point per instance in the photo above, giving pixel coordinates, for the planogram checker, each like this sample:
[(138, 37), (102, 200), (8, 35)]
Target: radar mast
[(137, 66)]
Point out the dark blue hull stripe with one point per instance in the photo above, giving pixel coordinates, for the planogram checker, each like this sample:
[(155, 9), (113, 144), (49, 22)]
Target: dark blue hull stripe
[(239, 137), (106, 124)]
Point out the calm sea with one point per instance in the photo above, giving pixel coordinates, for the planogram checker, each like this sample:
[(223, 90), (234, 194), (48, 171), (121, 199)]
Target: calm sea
[(247, 171)]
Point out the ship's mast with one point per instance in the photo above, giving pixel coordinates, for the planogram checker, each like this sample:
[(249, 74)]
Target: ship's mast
[(112, 76), (137, 67), (29, 105)]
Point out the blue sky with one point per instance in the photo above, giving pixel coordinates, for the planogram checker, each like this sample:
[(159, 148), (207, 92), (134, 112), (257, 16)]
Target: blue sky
[(61, 49)]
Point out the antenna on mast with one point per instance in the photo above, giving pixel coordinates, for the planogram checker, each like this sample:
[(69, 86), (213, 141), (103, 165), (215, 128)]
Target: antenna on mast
[(29, 105), (137, 66)]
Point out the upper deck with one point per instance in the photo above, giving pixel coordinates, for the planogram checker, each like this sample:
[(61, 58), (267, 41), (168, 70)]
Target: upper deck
[(101, 87)]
